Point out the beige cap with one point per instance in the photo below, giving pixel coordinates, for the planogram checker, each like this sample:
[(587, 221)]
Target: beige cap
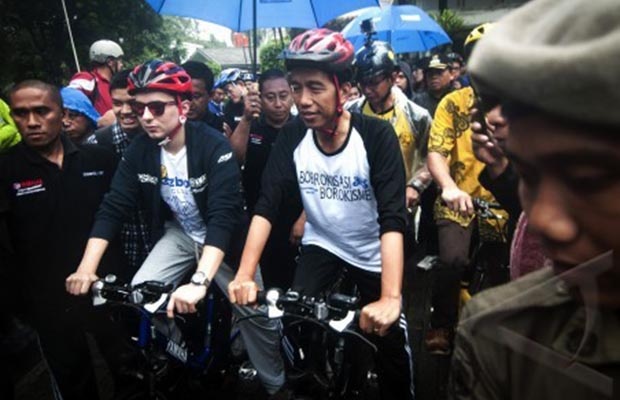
[(562, 57)]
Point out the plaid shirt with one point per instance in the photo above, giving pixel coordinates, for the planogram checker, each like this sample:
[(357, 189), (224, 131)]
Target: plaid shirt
[(135, 233)]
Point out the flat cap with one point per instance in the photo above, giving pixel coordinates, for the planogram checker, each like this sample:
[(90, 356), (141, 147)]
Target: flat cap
[(562, 57)]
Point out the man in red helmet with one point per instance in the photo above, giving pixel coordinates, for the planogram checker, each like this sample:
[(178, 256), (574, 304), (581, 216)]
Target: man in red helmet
[(342, 167), (184, 176)]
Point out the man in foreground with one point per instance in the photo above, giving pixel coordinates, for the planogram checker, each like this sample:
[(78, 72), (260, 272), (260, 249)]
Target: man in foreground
[(554, 333), (346, 169)]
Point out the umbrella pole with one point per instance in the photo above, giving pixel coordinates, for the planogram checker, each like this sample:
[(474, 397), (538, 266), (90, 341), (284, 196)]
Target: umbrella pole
[(75, 57), (254, 38)]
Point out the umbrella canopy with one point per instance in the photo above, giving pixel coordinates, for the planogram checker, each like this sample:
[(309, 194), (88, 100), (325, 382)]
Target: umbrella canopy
[(406, 28), (238, 14)]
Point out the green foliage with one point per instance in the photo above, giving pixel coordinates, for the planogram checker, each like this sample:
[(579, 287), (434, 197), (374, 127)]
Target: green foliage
[(214, 67), (268, 55), (450, 21), (36, 42)]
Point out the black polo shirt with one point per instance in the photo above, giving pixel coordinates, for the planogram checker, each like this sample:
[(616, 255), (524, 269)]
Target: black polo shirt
[(233, 113), (260, 141), (214, 121), (50, 212)]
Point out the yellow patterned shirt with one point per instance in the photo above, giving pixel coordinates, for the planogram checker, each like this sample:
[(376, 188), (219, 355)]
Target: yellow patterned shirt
[(450, 136), (405, 135)]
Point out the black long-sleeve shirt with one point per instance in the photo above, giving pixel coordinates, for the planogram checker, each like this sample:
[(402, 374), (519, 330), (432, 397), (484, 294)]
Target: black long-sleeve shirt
[(214, 181), (350, 197)]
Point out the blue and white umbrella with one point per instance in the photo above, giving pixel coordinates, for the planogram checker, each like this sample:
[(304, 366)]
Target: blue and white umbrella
[(406, 28), (243, 15), (238, 14)]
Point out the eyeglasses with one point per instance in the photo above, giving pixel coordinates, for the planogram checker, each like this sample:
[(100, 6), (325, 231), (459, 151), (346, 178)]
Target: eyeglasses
[(373, 82), (156, 108)]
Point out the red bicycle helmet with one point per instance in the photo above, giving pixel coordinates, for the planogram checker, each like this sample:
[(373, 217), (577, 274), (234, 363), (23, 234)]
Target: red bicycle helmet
[(320, 48), (159, 75)]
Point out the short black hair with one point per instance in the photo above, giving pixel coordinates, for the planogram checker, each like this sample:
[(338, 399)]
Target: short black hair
[(273, 73), (198, 70), (120, 80), (53, 91)]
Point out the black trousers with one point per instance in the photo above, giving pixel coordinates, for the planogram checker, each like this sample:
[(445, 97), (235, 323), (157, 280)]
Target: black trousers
[(64, 344), (454, 243), (317, 271)]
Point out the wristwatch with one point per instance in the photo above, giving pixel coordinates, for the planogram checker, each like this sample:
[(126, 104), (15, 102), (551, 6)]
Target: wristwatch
[(417, 186), (200, 278)]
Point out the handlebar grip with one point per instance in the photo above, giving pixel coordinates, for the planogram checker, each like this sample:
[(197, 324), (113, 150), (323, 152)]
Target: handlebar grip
[(261, 297)]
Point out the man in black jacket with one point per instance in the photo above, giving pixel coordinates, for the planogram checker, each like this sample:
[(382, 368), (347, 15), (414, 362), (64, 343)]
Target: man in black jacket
[(50, 189), (185, 178)]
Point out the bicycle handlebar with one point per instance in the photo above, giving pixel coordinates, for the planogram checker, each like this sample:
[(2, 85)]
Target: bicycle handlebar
[(149, 294), (339, 311)]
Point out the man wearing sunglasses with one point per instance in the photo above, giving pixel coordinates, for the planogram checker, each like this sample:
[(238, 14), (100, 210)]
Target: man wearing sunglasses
[(375, 70), (184, 176)]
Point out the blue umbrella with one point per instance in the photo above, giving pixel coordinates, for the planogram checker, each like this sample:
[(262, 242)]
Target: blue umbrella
[(406, 28), (243, 15), (238, 14)]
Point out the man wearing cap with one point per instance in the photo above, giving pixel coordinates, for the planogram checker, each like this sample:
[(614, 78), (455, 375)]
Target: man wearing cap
[(455, 169), (438, 83), (234, 87), (554, 333)]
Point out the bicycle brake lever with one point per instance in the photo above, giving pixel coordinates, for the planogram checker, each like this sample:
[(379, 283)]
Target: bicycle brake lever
[(271, 300), (98, 298), (339, 325), (154, 306)]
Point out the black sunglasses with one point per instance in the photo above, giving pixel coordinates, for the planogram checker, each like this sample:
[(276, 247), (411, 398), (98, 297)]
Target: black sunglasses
[(156, 108)]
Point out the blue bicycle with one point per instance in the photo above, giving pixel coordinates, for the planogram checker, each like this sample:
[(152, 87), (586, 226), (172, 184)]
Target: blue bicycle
[(176, 357)]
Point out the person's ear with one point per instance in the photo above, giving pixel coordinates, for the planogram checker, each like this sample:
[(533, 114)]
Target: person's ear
[(185, 105), (345, 88)]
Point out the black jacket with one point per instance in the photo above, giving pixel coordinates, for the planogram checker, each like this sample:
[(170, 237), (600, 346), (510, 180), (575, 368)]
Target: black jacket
[(213, 175)]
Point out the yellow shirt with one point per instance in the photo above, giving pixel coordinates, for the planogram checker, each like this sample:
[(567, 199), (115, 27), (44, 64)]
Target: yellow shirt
[(450, 136), (405, 135)]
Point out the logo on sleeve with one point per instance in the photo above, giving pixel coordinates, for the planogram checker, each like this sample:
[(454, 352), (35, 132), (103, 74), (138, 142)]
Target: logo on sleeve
[(224, 158), (29, 186)]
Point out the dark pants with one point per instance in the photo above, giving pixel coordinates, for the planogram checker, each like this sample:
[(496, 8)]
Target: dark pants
[(65, 347), (454, 244), (279, 260), (316, 273)]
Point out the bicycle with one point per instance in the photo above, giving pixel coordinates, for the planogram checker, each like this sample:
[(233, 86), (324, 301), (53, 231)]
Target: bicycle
[(482, 255), (187, 352), (336, 319)]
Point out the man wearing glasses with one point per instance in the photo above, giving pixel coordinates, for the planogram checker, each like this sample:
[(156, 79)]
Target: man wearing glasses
[(375, 70), (184, 176)]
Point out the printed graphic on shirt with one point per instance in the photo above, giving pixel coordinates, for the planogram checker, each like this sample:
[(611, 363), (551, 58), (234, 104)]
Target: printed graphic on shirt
[(339, 201), (337, 187), (28, 187), (176, 190)]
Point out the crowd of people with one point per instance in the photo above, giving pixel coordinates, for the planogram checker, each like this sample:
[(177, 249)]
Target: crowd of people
[(296, 178)]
